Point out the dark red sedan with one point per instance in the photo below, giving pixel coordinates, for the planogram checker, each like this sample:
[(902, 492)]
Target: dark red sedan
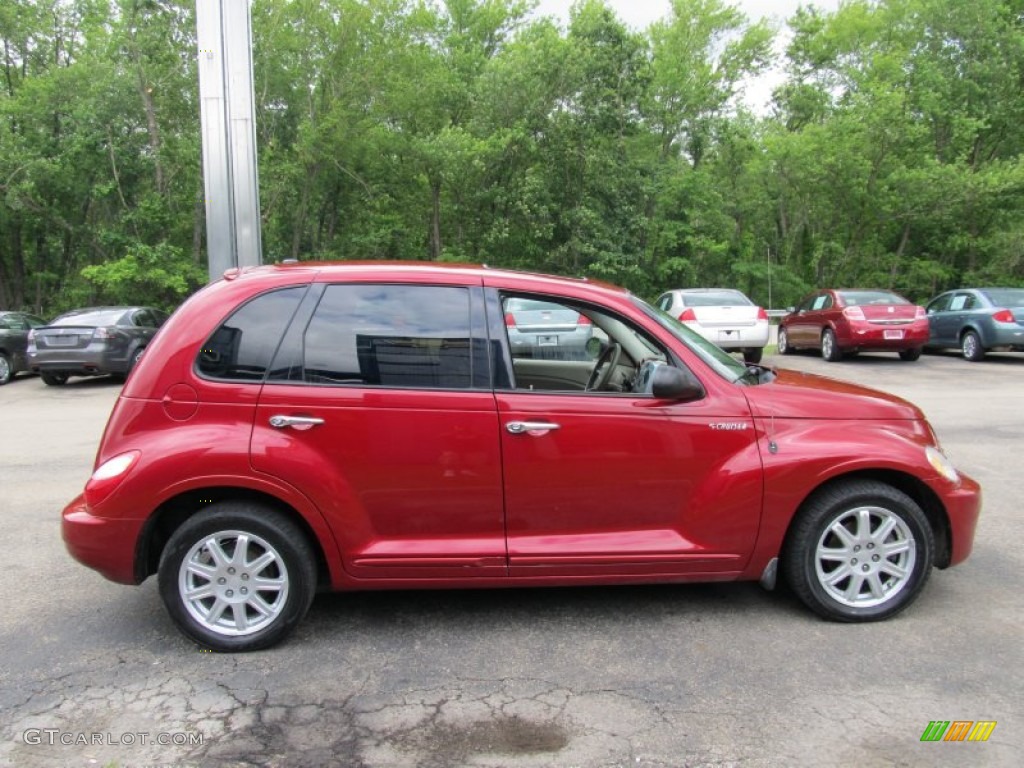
[(846, 321), (367, 426)]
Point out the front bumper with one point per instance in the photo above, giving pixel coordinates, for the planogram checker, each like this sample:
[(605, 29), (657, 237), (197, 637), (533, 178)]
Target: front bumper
[(963, 506), (105, 545)]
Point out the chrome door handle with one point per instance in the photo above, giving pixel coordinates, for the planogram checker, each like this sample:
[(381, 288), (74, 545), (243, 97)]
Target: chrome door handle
[(531, 427), (298, 422)]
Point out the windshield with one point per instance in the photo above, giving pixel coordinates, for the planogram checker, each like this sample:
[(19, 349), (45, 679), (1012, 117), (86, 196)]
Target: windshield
[(724, 364)]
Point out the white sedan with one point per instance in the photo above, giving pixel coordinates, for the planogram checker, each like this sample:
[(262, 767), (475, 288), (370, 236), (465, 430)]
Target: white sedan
[(721, 315)]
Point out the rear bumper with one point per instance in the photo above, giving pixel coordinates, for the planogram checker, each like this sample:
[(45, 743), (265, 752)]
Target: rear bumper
[(869, 338), (753, 336), (1003, 335), (105, 545), (81, 362)]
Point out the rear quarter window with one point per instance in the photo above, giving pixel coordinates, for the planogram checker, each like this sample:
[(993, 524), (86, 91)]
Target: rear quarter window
[(242, 348)]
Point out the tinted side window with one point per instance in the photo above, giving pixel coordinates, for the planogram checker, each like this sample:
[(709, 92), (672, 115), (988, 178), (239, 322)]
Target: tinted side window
[(392, 336), (242, 347)]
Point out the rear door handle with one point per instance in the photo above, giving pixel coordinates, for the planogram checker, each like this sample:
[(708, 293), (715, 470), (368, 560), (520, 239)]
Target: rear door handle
[(535, 428), (296, 422)]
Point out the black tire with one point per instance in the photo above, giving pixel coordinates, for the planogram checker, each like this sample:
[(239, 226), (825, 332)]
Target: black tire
[(971, 348), (875, 562), (6, 369), (55, 379), (910, 355), (782, 344), (829, 349), (291, 567), (752, 354)]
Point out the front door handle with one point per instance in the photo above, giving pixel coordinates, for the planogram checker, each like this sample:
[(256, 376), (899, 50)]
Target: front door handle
[(296, 422), (535, 428)]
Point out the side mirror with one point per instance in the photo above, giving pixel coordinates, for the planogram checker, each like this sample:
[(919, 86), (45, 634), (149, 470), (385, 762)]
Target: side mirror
[(670, 383), (790, 310)]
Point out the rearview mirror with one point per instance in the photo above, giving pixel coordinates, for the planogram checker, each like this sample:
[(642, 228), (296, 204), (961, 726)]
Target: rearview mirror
[(670, 383)]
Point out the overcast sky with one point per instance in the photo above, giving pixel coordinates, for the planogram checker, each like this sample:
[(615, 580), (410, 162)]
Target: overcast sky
[(640, 13)]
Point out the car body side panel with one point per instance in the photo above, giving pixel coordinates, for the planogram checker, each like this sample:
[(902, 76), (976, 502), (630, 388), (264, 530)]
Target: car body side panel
[(212, 445), (801, 455), (409, 481), (628, 485)]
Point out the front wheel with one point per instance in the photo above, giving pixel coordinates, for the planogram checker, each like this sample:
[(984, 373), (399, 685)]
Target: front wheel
[(859, 551), (237, 577), (6, 369)]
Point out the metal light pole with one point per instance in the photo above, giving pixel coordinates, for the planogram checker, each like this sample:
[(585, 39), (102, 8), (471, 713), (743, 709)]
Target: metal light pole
[(227, 108)]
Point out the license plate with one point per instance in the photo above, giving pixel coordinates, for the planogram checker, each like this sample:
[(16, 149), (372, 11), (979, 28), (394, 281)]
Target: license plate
[(62, 341), (894, 334), (547, 341)]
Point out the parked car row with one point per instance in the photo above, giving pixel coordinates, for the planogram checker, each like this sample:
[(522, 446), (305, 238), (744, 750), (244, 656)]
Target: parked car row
[(84, 342), (842, 322)]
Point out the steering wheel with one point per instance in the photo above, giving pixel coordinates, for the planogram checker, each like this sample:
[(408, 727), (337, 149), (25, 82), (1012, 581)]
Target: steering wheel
[(609, 359)]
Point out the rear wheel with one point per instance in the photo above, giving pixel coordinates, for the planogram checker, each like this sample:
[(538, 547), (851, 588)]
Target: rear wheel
[(6, 369), (829, 349), (135, 359), (859, 551), (55, 379), (237, 577), (971, 348), (910, 355), (752, 354)]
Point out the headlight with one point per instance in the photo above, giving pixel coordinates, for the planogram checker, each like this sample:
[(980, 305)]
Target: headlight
[(941, 464)]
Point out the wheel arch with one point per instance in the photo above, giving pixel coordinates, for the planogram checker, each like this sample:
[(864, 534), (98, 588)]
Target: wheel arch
[(173, 512), (913, 487), (976, 330)]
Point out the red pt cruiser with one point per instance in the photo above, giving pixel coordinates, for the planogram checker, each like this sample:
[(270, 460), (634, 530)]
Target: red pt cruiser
[(369, 426)]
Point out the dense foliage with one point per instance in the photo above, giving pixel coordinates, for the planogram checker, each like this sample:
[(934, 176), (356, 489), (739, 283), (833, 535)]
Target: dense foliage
[(471, 130)]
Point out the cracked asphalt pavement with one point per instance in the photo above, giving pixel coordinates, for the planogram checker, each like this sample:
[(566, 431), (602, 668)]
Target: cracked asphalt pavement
[(94, 674)]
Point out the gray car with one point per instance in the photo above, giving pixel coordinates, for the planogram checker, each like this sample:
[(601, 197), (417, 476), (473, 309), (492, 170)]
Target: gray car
[(14, 328), (92, 342), (977, 320)]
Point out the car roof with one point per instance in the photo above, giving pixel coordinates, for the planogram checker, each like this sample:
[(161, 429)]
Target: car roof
[(325, 271)]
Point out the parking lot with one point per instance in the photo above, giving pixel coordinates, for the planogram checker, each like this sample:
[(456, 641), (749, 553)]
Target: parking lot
[(93, 673)]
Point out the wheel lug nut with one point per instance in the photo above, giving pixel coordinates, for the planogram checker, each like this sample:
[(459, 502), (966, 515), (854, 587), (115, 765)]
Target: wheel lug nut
[(222, 580), (245, 577), (865, 567), (857, 548), (245, 591), (876, 558), (231, 571), (230, 593), (854, 561)]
